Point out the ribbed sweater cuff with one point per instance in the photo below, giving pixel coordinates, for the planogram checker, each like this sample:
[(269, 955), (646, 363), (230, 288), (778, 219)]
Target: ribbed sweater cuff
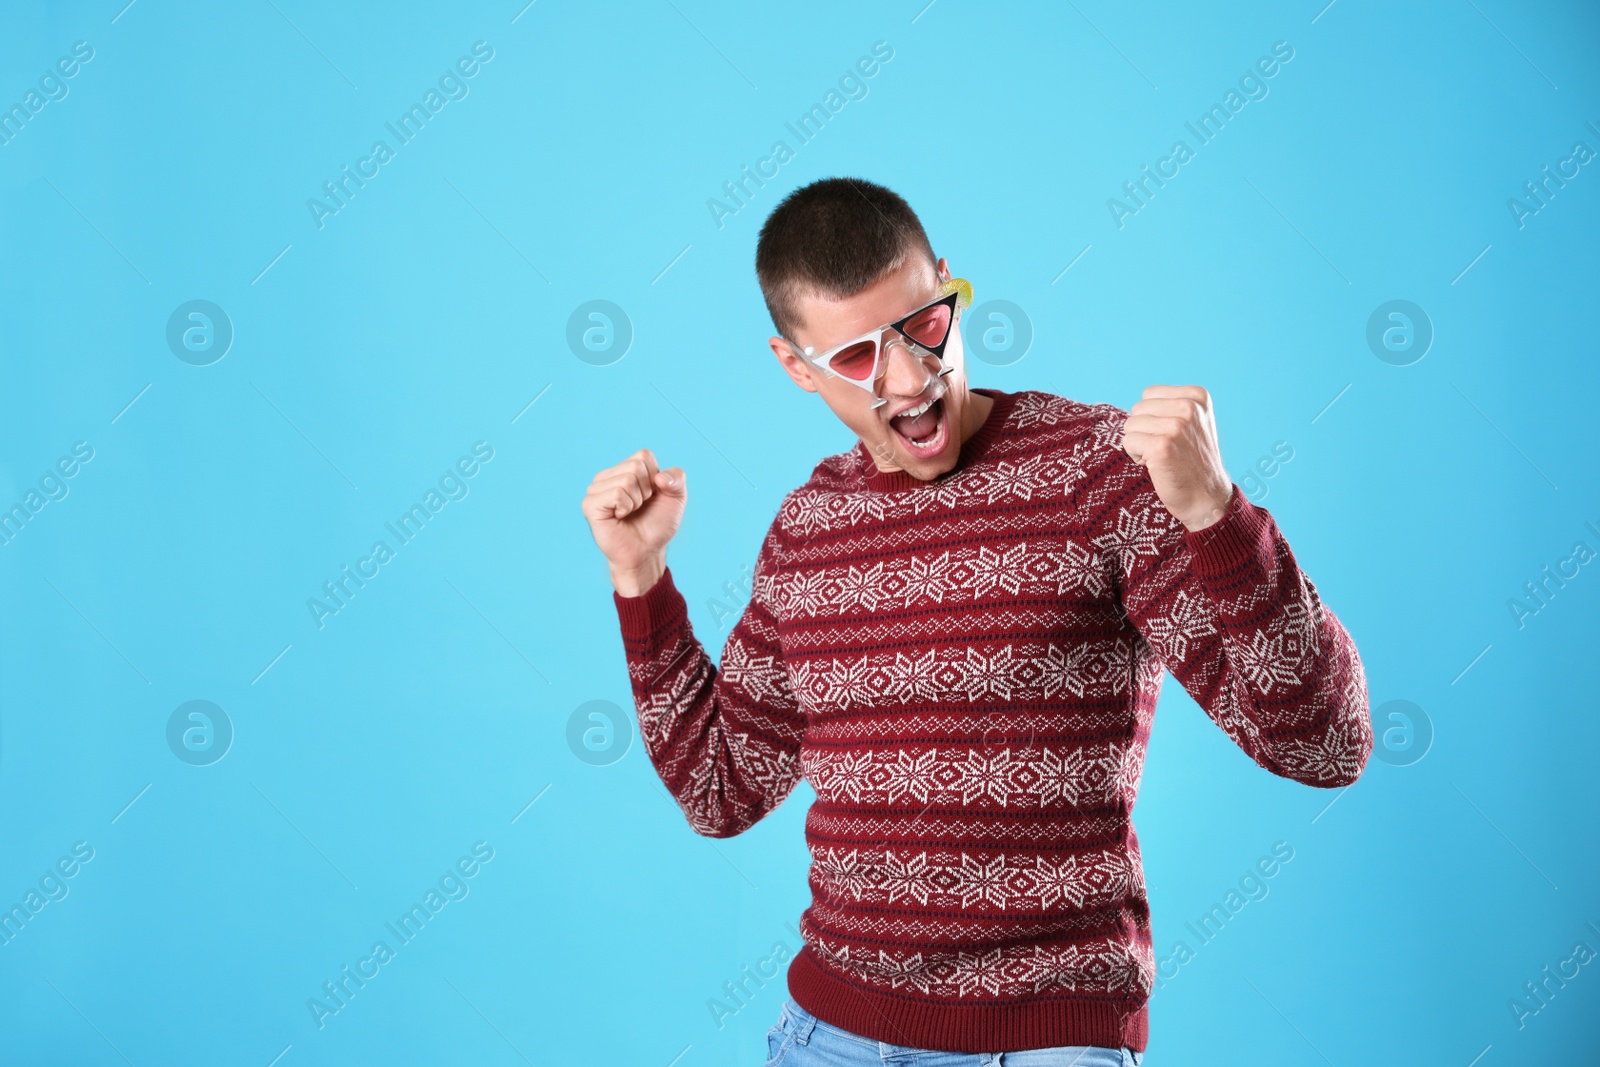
[(652, 612), (1242, 535)]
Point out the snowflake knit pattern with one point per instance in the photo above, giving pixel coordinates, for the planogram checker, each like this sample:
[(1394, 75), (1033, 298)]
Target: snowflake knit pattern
[(965, 670)]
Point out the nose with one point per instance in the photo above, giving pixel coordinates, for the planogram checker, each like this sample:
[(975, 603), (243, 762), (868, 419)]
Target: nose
[(906, 371)]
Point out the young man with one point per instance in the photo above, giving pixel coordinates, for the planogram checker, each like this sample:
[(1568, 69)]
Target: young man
[(956, 633)]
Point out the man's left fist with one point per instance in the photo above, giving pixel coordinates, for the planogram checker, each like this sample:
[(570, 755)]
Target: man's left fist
[(1172, 433)]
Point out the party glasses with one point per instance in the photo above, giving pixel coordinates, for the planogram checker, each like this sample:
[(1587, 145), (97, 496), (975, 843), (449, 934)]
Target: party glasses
[(928, 328)]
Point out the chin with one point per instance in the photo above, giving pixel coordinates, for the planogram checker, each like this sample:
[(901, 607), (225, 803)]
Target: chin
[(929, 469)]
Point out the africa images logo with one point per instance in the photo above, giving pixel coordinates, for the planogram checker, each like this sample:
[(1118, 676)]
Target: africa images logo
[(452, 86), (1205, 129), (340, 591)]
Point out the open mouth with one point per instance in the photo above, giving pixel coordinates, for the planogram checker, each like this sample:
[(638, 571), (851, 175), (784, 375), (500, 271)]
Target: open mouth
[(923, 433)]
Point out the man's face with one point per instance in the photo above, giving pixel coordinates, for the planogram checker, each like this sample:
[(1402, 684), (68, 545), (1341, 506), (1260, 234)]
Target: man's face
[(924, 448)]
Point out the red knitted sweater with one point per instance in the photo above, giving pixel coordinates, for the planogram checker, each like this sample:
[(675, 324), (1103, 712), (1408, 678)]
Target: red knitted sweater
[(965, 670)]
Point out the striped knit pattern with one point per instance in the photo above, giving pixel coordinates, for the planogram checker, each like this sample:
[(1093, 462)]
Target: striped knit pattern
[(966, 670)]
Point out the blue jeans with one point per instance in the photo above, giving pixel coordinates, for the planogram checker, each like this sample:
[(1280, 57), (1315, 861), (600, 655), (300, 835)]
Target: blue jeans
[(802, 1040)]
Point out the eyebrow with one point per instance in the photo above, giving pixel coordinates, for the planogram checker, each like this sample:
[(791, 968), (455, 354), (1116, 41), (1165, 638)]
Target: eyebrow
[(875, 329)]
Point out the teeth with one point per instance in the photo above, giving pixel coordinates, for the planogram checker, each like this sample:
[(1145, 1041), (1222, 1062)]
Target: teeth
[(918, 410)]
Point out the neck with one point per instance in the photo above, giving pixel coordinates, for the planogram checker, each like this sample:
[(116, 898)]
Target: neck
[(978, 407)]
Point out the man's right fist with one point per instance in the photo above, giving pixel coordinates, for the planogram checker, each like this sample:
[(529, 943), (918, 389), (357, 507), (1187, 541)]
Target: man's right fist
[(633, 510)]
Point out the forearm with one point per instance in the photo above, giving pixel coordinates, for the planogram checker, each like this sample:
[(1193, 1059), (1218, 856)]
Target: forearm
[(1289, 668), (669, 673), (721, 741), (1314, 728)]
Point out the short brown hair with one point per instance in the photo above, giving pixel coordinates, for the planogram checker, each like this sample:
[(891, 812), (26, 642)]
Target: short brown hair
[(835, 236)]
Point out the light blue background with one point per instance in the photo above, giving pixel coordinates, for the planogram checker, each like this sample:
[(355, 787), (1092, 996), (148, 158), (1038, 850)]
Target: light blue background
[(430, 311)]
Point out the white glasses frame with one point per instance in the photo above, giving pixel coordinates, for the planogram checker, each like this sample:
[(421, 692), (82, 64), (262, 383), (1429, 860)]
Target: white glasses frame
[(957, 292)]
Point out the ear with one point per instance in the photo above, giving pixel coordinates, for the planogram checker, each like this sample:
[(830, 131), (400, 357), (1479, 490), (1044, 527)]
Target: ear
[(943, 269), (792, 364)]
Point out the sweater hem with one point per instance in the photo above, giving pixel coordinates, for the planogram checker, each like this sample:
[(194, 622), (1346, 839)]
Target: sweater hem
[(1046, 1022)]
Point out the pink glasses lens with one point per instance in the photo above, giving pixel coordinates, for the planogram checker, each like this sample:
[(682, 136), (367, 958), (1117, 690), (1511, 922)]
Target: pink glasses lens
[(855, 362)]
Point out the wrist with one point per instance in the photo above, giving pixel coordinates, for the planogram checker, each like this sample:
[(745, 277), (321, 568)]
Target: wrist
[(636, 581), (1214, 514)]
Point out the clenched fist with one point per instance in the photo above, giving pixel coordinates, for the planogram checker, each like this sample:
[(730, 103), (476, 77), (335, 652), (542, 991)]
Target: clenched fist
[(633, 510), (1172, 432)]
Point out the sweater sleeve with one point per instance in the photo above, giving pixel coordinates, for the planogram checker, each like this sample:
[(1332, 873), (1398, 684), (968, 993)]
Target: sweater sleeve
[(726, 742), (1231, 615)]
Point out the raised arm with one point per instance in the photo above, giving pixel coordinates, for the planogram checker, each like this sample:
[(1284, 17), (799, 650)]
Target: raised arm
[(726, 742), (1230, 613)]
